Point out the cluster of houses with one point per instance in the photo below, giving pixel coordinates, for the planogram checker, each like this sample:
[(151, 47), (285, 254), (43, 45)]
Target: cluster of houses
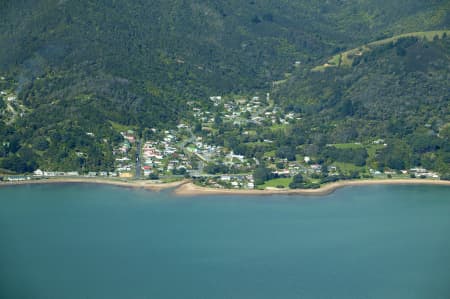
[(129, 138), (242, 110), (158, 156), (123, 162), (414, 172), (175, 151), (42, 173), (16, 178), (231, 182), (206, 152), (419, 171), (163, 156), (15, 107)]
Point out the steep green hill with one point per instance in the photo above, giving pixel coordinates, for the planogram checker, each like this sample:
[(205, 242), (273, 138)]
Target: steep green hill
[(346, 58), (141, 52), (79, 66), (398, 90)]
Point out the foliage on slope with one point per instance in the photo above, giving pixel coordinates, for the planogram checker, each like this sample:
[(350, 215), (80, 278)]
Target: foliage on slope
[(78, 65), (397, 91)]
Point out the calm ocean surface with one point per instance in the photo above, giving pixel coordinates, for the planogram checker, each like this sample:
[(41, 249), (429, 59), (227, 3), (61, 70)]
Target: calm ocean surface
[(89, 241)]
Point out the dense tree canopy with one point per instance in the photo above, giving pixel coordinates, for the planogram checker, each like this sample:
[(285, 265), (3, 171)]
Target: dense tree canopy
[(94, 66)]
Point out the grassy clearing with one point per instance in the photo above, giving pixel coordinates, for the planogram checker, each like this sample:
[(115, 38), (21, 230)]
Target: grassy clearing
[(428, 35), (372, 149), (279, 127), (121, 128), (270, 154), (334, 61), (349, 167), (348, 145), (347, 56), (275, 183), (171, 179), (190, 147)]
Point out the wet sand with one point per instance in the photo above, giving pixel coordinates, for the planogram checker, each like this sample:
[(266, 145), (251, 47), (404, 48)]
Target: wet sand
[(189, 189), (149, 185)]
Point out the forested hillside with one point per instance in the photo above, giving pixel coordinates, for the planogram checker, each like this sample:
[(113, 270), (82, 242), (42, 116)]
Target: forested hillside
[(97, 66), (398, 90)]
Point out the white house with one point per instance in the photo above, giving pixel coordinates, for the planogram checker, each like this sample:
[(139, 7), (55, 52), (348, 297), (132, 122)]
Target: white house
[(225, 178), (38, 172)]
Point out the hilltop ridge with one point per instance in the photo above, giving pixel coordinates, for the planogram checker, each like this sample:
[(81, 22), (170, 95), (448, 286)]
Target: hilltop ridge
[(346, 58)]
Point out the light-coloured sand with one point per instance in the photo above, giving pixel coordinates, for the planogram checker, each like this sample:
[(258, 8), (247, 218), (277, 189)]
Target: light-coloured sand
[(150, 185), (189, 189)]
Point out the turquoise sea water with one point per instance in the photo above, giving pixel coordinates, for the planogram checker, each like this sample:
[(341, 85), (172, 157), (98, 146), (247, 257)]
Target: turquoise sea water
[(90, 241)]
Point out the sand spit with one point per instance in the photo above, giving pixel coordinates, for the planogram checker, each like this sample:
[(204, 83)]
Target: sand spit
[(189, 189)]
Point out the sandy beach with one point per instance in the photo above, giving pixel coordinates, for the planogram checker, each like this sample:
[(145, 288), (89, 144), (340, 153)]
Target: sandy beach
[(149, 185), (189, 189)]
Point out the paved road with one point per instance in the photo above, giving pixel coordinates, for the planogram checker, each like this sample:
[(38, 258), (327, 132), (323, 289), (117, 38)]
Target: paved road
[(138, 159)]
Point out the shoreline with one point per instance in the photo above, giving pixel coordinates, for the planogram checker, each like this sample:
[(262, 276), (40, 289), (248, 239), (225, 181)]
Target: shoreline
[(188, 188), (148, 185)]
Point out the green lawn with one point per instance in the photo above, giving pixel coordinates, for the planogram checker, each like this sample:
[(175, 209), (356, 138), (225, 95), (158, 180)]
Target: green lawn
[(276, 127), (171, 179), (348, 167), (278, 182), (191, 148), (371, 151)]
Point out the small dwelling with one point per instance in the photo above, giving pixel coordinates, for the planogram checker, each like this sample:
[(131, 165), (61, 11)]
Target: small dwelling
[(38, 172)]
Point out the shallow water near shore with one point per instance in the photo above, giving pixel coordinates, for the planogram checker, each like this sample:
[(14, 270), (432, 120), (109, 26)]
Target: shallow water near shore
[(96, 241)]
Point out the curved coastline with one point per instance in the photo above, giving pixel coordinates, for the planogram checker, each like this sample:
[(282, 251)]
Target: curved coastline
[(188, 188), (148, 185)]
